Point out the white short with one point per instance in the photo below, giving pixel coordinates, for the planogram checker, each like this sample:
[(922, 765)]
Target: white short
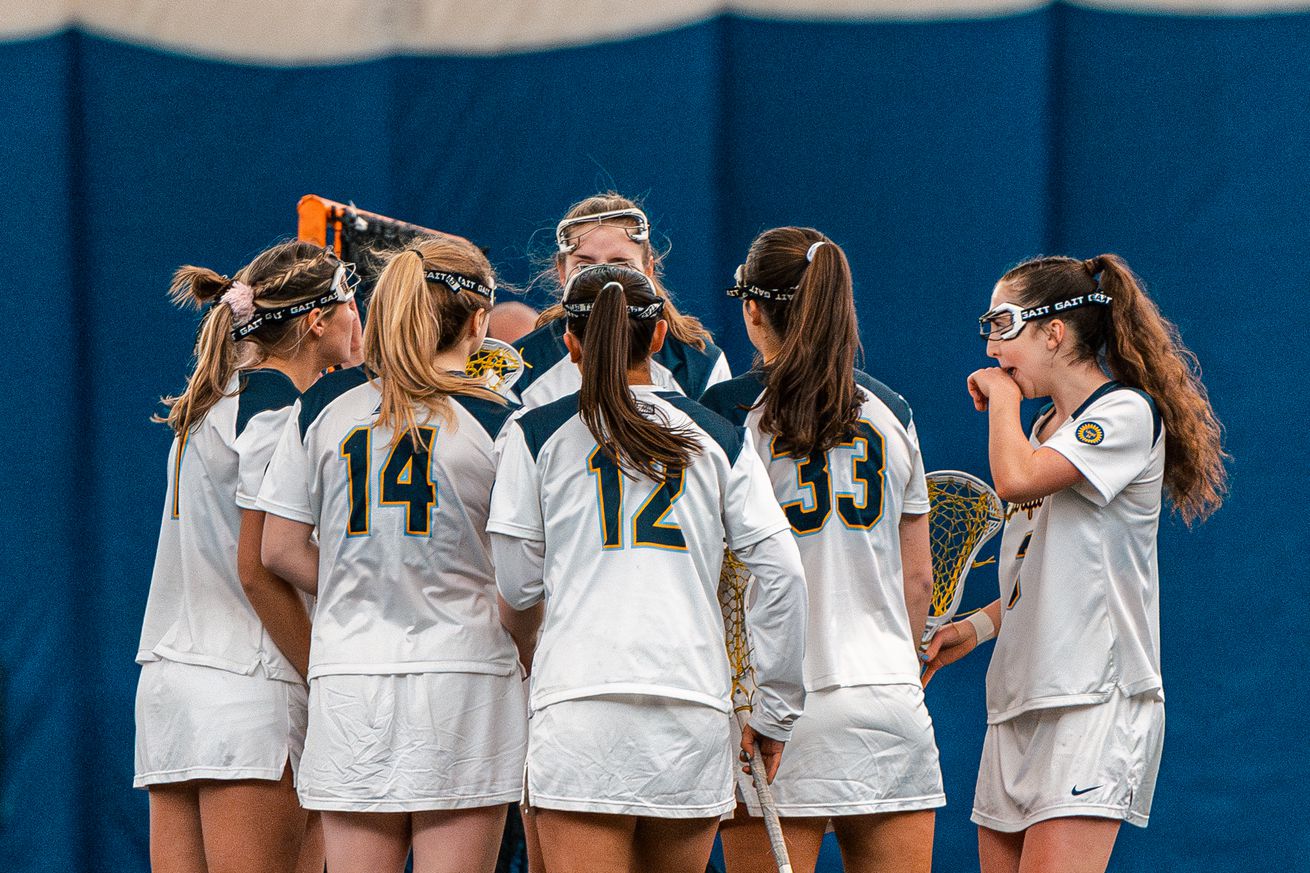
[(196, 722), (417, 741), (1097, 760), (855, 751), (629, 754)]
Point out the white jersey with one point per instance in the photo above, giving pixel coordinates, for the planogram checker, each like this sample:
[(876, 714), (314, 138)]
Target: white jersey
[(196, 612), (845, 508), (548, 374), (1078, 573), (631, 567), (405, 580)]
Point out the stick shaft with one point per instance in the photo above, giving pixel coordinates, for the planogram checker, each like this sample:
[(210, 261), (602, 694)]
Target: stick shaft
[(772, 823)]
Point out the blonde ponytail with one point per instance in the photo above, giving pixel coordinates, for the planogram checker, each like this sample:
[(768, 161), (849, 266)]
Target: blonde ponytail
[(411, 320), (290, 272), (216, 355)]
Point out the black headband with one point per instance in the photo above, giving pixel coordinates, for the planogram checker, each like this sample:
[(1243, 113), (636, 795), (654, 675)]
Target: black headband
[(641, 313), (344, 283), (781, 295), (744, 290), (457, 282)]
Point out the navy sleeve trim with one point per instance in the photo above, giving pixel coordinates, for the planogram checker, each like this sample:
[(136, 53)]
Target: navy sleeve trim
[(324, 391), (1041, 414), (893, 401), (541, 350), (729, 436), (488, 413), (691, 368), (540, 424), (734, 398), (262, 390), (1095, 396)]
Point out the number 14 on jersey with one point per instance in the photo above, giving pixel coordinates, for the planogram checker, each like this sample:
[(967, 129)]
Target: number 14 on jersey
[(406, 480)]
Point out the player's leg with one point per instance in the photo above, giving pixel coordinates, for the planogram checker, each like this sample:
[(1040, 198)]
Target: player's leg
[(251, 825), (176, 841), (595, 842), (531, 840), (746, 843), (999, 852), (1080, 844), (890, 842), (673, 845), (366, 842), (458, 840), (311, 845)]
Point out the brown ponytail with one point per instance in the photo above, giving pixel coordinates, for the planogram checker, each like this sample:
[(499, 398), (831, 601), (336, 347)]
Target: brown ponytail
[(412, 318), (613, 341), (685, 328), (811, 402), (286, 273), (1142, 349)]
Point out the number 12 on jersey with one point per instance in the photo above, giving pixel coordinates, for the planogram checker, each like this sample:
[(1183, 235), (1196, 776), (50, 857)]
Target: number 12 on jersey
[(649, 529), (406, 480)]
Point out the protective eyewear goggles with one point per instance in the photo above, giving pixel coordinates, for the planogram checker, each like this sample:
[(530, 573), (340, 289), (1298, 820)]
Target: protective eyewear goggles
[(638, 232), (1005, 321), (743, 290)]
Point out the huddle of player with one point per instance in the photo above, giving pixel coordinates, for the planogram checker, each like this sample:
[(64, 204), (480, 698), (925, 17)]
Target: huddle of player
[(456, 542)]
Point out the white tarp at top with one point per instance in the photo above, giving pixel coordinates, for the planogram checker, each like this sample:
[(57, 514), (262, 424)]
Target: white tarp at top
[(333, 31)]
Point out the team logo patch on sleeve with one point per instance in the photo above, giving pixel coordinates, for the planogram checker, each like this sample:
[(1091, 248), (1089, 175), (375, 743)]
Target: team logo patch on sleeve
[(1091, 433)]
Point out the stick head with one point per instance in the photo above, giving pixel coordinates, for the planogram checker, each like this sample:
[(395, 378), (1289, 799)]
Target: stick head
[(965, 514), (497, 363)]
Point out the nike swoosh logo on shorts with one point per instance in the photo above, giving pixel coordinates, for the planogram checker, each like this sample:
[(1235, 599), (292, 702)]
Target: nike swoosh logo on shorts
[(1077, 791)]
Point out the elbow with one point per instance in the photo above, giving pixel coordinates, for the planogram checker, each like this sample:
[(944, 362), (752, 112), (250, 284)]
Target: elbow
[(250, 571), (1011, 490), (918, 585), (270, 557), (249, 581)]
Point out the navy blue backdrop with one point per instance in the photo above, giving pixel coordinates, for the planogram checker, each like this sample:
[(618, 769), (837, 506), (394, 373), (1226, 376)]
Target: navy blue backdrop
[(936, 153)]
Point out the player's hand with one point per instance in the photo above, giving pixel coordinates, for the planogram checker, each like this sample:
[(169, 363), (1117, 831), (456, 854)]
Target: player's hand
[(770, 750), (948, 645), (992, 382)]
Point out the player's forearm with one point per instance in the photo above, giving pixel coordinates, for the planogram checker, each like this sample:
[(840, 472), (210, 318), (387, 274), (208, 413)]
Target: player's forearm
[(523, 626), (776, 621), (916, 569), (1008, 450), (989, 614), (277, 604), (280, 608), (288, 551)]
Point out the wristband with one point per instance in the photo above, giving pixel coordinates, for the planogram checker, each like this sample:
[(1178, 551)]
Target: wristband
[(982, 625)]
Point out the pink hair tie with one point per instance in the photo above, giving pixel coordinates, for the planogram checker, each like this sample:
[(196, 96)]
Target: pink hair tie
[(240, 298)]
